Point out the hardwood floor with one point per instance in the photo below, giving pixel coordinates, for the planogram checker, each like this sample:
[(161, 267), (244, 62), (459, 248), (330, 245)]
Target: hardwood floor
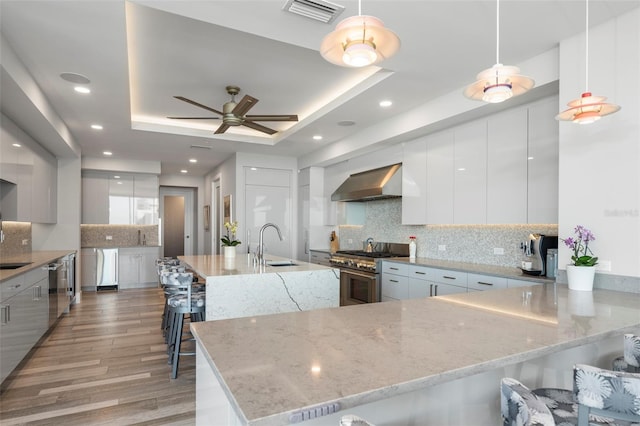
[(104, 363)]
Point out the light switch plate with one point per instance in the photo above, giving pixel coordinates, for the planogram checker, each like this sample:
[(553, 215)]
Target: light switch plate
[(109, 237), (442, 247), (498, 250)]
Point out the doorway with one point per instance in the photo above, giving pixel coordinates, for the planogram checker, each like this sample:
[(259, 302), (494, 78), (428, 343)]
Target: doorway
[(177, 215), (216, 204)]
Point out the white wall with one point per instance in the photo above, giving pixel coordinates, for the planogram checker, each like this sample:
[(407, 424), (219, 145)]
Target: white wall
[(600, 162)]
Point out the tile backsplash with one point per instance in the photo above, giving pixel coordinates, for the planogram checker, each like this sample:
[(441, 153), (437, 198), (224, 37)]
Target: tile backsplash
[(118, 235), (465, 243), (16, 234)]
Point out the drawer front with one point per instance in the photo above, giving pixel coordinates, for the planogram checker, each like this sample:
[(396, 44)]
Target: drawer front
[(320, 258), (395, 268), (419, 272), (446, 276), (11, 287), (485, 282), (37, 274), (520, 283), (395, 286)]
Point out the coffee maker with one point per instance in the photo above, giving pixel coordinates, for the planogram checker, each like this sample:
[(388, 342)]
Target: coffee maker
[(536, 249)]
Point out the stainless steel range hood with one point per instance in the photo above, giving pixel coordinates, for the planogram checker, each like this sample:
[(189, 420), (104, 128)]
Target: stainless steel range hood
[(385, 182)]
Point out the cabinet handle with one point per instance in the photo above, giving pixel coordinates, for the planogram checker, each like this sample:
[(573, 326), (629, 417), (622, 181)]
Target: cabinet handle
[(435, 293), (393, 281), (391, 267), (16, 286), (448, 277), (420, 273), (6, 315), (430, 290), (483, 283)]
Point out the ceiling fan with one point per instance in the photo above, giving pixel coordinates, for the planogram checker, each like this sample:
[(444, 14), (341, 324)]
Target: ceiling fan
[(233, 114)]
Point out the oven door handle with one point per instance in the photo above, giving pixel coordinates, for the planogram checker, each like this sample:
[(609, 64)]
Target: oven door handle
[(365, 275)]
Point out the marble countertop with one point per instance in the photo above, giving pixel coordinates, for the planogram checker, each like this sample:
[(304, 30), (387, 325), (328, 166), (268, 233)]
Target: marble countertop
[(120, 246), (218, 265), (37, 259), (275, 365), (476, 268)]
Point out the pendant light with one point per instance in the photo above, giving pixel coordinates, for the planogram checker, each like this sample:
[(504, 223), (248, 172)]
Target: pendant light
[(587, 108), (500, 82), (359, 41)]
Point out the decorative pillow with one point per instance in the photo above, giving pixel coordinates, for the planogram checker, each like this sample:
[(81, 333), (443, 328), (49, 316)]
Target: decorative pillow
[(520, 407)]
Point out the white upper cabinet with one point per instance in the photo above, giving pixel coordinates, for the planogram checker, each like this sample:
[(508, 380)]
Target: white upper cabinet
[(507, 167), (440, 183), (29, 174), (470, 173), (414, 182), (119, 198), (542, 160)]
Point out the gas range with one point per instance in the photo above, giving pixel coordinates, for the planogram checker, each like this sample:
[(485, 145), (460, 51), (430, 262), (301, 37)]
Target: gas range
[(367, 261)]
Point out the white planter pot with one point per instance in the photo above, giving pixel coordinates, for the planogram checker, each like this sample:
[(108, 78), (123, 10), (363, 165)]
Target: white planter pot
[(581, 277), (229, 252)]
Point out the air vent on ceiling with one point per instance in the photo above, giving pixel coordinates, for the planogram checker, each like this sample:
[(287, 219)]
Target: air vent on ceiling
[(200, 146), (320, 10)]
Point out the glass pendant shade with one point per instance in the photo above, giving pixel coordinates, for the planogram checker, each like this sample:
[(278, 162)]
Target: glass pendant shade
[(587, 109), (359, 41), (498, 84)]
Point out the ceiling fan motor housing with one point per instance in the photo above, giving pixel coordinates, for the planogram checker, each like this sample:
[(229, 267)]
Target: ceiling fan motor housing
[(229, 118)]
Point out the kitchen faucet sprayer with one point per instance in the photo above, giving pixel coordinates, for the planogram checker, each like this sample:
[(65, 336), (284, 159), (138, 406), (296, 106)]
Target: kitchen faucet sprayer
[(260, 249)]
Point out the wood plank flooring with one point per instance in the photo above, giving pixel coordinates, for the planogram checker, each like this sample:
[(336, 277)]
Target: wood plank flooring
[(104, 363)]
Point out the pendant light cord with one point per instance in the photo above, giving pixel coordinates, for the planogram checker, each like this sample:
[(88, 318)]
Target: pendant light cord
[(586, 78), (497, 31)]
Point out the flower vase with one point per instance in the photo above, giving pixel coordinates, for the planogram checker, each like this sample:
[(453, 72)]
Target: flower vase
[(229, 252), (412, 248), (581, 277)]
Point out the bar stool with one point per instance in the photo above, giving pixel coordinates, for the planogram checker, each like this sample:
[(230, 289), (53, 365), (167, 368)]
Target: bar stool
[(598, 396), (172, 265), (186, 299), (630, 361)]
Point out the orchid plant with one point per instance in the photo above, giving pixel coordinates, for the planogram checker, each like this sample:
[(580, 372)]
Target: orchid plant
[(229, 240), (582, 254)]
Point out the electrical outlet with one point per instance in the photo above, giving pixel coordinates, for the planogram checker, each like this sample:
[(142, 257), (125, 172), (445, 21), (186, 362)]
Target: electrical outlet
[(442, 247), (25, 242), (498, 250), (604, 266), (109, 237), (350, 241)]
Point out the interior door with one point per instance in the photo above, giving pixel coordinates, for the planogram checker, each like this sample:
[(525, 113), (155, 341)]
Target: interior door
[(177, 214)]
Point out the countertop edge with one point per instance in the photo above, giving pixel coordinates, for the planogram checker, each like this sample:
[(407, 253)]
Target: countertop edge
[(37, 259)]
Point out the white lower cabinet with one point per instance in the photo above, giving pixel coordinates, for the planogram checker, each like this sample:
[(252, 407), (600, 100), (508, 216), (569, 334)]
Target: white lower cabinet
[(521, 283), (407, 281), (24, 317), (320, 257), (137, 267), (485, 282)]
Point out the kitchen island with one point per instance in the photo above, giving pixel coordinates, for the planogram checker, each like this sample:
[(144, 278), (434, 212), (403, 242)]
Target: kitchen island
[(239, 288), (436, 360)]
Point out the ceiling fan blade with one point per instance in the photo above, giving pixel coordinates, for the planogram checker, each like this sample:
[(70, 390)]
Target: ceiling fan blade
[(189, 101), (258, 127), (245, 104), (194, 118), (272, 117), (221, 129)]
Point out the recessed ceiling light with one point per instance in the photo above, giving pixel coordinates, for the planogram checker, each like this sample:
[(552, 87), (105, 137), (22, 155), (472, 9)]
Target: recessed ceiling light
[(529, 158), (116, 177), (119, 182), (17, 145), (73, 77), (82, 89), (346, 123), (107, 153), (193, 160), (183, 171), (253, 169), (385, 104), (317, 138), (96, 127)]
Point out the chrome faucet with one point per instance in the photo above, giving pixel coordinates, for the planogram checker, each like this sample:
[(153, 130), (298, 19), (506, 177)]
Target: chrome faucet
[(260, 249)]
